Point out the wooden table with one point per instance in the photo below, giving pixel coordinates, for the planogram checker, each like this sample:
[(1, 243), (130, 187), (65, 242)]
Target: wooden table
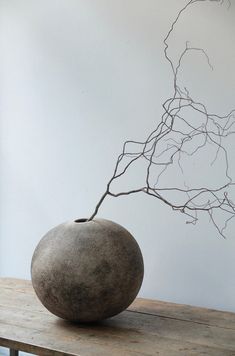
[(147, 328)]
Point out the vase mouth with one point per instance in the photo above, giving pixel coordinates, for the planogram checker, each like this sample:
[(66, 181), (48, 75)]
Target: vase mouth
[(82, 220)]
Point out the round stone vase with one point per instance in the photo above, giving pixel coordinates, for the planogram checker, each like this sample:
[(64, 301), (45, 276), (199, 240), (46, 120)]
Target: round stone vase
[(86, 271)]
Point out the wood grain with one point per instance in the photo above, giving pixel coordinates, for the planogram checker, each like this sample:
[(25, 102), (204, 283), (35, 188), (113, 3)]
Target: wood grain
[(147, 328)]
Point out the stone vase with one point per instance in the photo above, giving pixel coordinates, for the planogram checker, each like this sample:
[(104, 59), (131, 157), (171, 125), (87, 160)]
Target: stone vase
[(86, 271)]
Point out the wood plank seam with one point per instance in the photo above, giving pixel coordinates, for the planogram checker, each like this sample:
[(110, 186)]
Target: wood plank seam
[(178, 319)]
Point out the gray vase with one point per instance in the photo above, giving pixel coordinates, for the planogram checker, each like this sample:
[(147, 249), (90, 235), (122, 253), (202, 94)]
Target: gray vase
[(86, 271)]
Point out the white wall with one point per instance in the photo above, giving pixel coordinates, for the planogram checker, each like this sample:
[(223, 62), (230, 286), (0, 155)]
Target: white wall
[(77, 79)]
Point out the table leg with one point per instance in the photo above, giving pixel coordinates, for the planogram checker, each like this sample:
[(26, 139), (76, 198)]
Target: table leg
[(14, 352)]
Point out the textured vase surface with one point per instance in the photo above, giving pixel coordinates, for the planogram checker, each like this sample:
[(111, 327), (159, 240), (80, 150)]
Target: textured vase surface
[(86, 271)]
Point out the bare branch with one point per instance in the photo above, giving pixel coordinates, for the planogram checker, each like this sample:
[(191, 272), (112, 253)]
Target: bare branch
[(177, 137)]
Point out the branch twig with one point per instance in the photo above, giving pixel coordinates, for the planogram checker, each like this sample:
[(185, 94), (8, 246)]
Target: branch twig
[(177, 137)]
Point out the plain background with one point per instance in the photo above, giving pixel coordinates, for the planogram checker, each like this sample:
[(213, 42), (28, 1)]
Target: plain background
[(78, 78)]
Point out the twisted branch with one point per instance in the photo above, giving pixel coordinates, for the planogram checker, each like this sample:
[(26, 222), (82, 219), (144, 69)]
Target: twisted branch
[(172, 140)]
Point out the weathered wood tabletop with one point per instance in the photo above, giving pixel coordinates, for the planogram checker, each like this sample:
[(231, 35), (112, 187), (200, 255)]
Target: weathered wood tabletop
[(147, 328)]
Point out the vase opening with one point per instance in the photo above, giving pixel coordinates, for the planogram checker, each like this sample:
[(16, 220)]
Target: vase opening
[(80, 220)]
